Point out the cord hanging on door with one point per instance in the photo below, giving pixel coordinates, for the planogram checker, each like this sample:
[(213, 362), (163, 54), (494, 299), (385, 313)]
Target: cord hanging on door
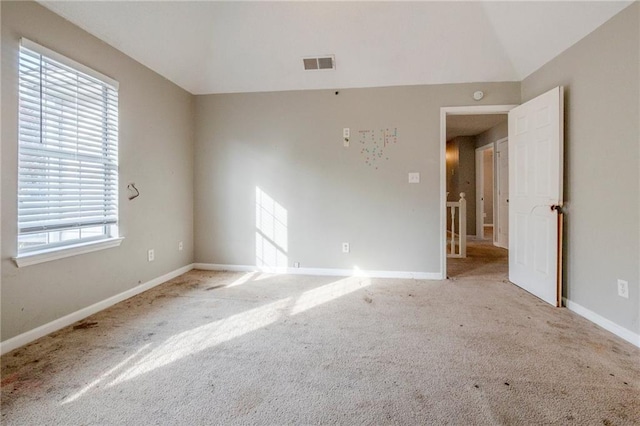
[(132, 187)]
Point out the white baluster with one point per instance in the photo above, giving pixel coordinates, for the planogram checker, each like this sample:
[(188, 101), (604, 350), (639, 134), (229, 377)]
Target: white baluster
[(463, 225), (453, 229)]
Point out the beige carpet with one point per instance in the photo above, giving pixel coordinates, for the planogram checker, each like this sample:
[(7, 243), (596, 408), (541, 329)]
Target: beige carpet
[(233, 348), (483, 261)]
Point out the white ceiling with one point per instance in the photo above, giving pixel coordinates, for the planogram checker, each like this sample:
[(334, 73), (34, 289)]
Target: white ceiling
[(224, 47), (472, 125)]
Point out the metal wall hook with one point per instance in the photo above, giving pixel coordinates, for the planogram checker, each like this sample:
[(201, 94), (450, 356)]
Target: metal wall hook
[(132, 187)]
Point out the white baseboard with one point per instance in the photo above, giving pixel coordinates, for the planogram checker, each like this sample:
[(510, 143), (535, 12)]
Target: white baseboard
[(608, 325), (28, 337), (320, 271)]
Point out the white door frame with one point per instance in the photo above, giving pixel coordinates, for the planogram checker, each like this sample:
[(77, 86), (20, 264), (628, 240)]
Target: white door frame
[(480, 189), (498, 221), (444, 111)]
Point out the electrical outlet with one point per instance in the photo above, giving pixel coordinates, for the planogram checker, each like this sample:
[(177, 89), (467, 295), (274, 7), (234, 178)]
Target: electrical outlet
[(345, 247), (180, 246), (151, 255), (623, 289), (414, 177), (296, 264)]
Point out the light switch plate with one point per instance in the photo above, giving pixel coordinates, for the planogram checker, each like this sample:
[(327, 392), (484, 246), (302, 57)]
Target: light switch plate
[(414, 177)]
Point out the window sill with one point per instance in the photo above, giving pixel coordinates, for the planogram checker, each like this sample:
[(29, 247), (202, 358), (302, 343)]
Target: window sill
[(36, 257)]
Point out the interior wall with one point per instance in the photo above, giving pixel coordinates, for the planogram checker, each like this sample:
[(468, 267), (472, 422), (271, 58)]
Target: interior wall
[(155, 152), (290, 145), (452, 164), (497, 132), (601, 188), (465, 178)]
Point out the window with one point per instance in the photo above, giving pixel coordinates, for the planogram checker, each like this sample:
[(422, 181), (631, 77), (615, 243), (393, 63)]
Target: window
[(68, 153)]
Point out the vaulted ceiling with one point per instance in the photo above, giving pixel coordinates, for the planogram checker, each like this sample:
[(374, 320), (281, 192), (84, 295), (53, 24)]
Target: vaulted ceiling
[(225, 47)]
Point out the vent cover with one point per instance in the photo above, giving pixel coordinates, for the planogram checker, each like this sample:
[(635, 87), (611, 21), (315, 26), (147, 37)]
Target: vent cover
[(325, 62)]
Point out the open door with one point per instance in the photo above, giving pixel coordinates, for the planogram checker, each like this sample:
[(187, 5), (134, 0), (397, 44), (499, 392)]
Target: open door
[(535, 195)]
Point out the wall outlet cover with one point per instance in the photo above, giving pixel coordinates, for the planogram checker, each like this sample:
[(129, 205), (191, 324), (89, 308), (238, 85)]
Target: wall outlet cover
[(414, 177), (345, 247), (623, 289)]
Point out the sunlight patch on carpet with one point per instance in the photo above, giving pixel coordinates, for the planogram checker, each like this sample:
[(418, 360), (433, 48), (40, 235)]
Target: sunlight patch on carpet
[(204, 337), (104, 376), (243, 279), (326, 293)]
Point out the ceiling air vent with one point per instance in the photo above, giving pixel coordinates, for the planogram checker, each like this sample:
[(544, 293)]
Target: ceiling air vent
[(325, 62)]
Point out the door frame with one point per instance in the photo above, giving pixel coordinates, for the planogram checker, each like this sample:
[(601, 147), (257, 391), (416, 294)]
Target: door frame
[(444, 112), (480, 189), (497, 220)]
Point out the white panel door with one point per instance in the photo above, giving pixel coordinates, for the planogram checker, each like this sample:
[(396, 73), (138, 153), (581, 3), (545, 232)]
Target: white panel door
[(502, 186), (535, 187)]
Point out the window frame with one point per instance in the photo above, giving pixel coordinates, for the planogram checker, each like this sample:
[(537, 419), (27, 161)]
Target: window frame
[(109, 236)]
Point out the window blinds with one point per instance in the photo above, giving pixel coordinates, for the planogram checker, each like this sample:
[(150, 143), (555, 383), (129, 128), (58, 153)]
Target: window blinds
[(68, 145)]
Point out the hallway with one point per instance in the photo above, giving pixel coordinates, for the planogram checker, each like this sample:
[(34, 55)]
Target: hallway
[(484, 260)]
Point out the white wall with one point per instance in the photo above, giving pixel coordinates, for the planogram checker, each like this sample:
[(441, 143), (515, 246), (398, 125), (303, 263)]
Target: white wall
[(156, 152), (602, 133), (290, 145)]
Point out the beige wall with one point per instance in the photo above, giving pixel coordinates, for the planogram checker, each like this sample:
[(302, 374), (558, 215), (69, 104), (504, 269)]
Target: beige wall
[(493, 135), (462, 177), (602, 132), (290, 145), (156, 152), (452, 164)]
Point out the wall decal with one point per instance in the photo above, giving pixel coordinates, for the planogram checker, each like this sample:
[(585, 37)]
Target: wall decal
[(375, 143)]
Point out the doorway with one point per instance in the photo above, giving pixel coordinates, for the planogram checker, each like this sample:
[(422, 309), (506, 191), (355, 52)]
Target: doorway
[(535, 144), (469, 137)]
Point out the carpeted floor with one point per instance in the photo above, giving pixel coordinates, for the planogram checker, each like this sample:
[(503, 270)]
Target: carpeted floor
[(483, 261), (233, 348)]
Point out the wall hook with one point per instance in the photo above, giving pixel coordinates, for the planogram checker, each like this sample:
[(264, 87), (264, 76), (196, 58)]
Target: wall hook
[(132, 187)]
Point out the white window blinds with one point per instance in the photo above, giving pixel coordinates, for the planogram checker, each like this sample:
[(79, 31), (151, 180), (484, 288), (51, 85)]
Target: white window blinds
[(68, 152)]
